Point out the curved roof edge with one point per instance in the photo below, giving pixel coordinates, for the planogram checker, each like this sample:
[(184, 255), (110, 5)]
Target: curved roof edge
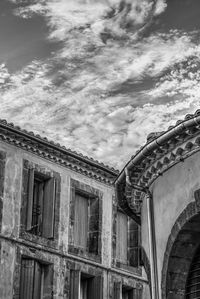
[(162, 151), (43, 147)]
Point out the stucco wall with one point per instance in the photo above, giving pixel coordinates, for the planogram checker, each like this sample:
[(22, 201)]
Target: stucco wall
[(171, 194), (11, 224)]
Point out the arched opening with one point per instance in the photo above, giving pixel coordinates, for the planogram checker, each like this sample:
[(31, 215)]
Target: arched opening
[(181, 256)]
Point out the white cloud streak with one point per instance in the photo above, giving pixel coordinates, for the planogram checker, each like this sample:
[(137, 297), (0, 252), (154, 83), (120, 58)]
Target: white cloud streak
[(70, 96)]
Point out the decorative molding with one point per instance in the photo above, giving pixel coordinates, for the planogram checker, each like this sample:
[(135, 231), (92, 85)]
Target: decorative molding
[(184, 142), (56, 153)]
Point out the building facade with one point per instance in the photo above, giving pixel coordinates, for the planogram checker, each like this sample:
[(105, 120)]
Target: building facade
[(160, 189), (62, 231)]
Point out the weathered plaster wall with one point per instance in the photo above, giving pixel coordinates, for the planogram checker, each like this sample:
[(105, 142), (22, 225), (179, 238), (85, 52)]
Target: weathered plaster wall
[(171, 194), (11, 228)]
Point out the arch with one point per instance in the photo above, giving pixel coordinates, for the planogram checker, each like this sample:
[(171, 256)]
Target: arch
[(181, 247)]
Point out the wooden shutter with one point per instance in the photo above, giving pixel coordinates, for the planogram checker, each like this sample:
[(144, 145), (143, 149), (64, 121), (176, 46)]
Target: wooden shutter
[(74, 284), (117, 290), (37, 282), (137, 294), (26, 278), (48, 208), (94, 225), (30, 199), (134, 248), (81, 221), (95, 290), (48, 282), (122, 237)]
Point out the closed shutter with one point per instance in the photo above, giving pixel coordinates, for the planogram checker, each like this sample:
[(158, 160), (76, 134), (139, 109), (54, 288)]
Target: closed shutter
[(26, 278), (74, 284), (96, 288), (30, 199), (37, 281), (48, 282), (48, 209), (137, 294), (81, 221), (31, 279), (117, 290), (122, 237)]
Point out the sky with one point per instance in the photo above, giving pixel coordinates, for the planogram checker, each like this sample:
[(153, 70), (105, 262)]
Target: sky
[(99, 75)]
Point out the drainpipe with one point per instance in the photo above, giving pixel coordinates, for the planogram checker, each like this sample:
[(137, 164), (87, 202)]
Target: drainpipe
[(151, 234)]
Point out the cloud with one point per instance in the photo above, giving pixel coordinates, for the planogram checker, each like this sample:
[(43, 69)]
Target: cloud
[(75, 97)]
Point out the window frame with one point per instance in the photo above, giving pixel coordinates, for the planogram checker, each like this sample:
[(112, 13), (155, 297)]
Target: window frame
[(93, 250), (48, 174), (45, 260), (115, 261)]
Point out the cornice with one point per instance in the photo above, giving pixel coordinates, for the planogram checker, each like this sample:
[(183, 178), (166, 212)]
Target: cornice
[(56, 153)]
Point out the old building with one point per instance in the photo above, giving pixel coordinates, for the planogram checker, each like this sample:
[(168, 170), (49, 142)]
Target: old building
[(160, 188), (62, 233)]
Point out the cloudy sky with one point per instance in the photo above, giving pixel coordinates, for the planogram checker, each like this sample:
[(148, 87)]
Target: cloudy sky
[(99, 75)]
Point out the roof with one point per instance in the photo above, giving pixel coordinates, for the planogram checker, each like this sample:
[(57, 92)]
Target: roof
[(50, 150), (162, 151)]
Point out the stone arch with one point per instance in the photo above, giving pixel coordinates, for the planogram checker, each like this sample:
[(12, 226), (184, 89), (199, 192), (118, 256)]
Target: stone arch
[(181, 247)]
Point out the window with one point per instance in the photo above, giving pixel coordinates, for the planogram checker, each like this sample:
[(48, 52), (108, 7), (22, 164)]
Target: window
[(36, 281), (85, 286), (127, 240), (40, 204), (85, 220), (126, 292)]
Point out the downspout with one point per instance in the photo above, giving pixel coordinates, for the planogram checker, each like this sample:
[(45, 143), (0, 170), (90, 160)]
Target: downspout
[(151, 234)]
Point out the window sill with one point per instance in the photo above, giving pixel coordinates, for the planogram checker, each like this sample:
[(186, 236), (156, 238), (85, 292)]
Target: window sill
[(84, 253), (135, 270), (53, 243)]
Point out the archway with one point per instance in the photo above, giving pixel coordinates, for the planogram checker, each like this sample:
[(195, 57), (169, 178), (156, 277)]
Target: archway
[(182, 246)]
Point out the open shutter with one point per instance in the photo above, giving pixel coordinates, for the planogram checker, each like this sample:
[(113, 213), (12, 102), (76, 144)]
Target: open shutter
[(134, 248), (117, 290), (30, 199), (74, 284), (26, 278), (94, 225), (96, 289), (48, 208), (48, 282)]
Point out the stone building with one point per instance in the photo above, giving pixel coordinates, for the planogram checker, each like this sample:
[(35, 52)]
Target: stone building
[(62, 232), (160, 188)]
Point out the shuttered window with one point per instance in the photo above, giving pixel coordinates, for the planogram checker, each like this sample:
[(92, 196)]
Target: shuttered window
[(84, 287), (127, 240), (122, 237), (36, 280), (40, 206), (81, 220), (126, 292)]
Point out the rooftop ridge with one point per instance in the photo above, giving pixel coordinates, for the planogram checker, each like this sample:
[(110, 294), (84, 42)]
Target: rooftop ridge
[(30, 134)]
